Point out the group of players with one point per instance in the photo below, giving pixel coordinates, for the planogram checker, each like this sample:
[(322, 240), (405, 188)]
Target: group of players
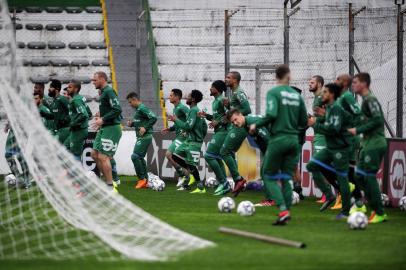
[(337, 120)]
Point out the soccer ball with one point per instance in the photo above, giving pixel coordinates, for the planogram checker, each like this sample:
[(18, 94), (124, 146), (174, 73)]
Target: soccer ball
[(211, 182), (295, 197), (153, 177), (226, 205), (357, 221), (11, 180), (385, 200), (158, 185), (231, 183), (246, 208), (402, 203)]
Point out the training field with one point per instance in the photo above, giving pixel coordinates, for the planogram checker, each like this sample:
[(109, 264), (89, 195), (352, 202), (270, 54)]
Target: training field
[(330, 244)]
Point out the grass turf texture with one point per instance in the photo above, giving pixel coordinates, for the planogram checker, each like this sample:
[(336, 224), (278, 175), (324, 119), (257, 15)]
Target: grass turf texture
[(330, 244)]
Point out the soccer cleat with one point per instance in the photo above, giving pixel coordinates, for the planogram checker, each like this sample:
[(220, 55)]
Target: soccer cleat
[(374, 218), (341, 216), (192, 180), (352, 187), (222, 189), (264, 203), (239, 186), (326, 204), (116, 183), (181, 181), (355, 208), (338, 205), (322, 199), (199, 191), (142, 183), (283, 218)]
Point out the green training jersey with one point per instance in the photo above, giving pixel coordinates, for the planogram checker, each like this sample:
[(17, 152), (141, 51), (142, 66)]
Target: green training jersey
[(60, 109), (195, 126), (110, 109), (218, 115), (46, 115), (372, 124), (48, 123), (334, 126), (261, 135), (318, 102), (348, 103), (79, 117), (239, 100), (143, 117), (285, 111), (180, 111)]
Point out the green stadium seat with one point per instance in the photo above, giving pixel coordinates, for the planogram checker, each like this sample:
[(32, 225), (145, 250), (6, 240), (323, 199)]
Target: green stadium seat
[(20, 45), (39, 62), (100, 63), (79, 63), (93, 9), (56, 45), (34, 26), (74, 26), (39, 79), (94, 26), (73, 10), (54, 27), (17, 9), (77, 45), (33, 9), (59, 62), (97, 45), (36, 45), (54, 9)]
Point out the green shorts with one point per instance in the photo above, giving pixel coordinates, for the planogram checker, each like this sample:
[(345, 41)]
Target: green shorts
[(175, 144), (281, 157), (216, 142), (107, 139), (319, 142), (190, 152), (76, 141), (371, 156), (142, 144)]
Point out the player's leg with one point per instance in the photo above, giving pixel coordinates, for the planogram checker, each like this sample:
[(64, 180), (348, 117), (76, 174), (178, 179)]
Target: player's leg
[(179, 156), (76, 143), (114, 173), (179, 170), (341, 164), (322, 159), (319, 143), (289, 164), (193, 161), (138, 158)]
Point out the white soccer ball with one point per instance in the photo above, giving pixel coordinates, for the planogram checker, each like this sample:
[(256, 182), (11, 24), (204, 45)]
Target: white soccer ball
[(385, 200), (231, 183), (226, 205), (211, 182), (11, 180), (295, 197), (246, 208), (152, 176), (357, 221), (402, 203), (158, 185)]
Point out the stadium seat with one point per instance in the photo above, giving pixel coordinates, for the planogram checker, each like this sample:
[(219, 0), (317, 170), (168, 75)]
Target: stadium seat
[(39, 79), (77, 45), (93, 26), (63, 79), (54, 9), (79, 63), (36, 45), (16, 9), (97, 45), (26, 62), (54, 27), (56, 45), (82, 79), (20, 45), (19, 26), (39, 62), (73, 10), (34, 26), (93, 9), (59, 62), (74, 26), (100, 63), (33, 9)]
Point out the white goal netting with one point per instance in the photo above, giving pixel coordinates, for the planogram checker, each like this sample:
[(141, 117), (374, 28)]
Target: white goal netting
[(65, 214)]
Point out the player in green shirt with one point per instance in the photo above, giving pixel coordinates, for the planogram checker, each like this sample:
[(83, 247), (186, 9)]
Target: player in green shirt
[(47, 102), (180, 110), (335, 157), (373, 149), (60, 109), (108, 122), (219, 123), (285, 117), (44, 112), (143, 121), (79, 120), (187, 154), (235, 135)]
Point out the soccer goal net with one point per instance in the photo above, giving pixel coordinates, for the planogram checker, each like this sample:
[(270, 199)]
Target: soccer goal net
[(65, 213)]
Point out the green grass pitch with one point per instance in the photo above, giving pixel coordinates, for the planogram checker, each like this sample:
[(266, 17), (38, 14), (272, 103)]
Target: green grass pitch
[(330, 244)]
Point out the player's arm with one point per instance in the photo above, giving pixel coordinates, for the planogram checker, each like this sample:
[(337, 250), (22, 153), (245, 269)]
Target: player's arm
[(271, 111), (190, 122), (46, 113), (80, 115), (115, 111), (150, 116), (376, 120), (245, 108), (183, 110), (332, 125)]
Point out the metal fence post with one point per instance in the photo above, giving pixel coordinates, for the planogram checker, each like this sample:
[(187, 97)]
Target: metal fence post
[(351, 43), (399, 92), (257, 90), (285, 33), (138, 54), (226, 42)]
